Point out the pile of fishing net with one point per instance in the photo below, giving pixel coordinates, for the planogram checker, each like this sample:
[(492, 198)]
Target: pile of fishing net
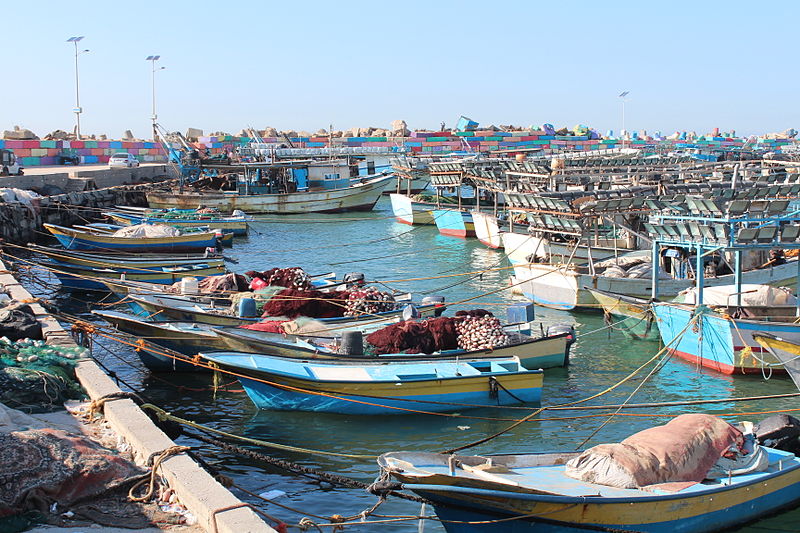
[(292, 303), (35, 376), (291, 278), (369, 301), (147, 230), (468, 330)]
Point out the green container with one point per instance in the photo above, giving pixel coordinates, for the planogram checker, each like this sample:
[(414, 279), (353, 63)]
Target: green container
[(47, 144), (437, 139), (465, 133), (90, 144), (376, 139), (493, 138), (30, 161)]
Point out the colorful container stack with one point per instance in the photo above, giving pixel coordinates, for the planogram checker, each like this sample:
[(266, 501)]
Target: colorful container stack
[(38, 152)]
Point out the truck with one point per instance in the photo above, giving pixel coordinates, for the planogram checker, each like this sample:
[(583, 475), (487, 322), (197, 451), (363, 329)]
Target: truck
[(8, 163)]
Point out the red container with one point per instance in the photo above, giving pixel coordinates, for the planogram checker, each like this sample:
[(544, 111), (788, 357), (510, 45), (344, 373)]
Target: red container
[(97, 151), (76, 144), (22, 152), (15, 145), (30, 144)]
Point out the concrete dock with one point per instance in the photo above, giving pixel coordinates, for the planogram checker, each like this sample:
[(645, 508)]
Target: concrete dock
[(215, 508)]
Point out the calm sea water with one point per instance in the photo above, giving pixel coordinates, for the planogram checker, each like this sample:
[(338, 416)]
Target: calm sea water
[(387, 251)]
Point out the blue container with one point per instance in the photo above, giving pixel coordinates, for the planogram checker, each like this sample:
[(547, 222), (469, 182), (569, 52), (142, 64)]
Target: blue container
[(247, 308), (115, 144)]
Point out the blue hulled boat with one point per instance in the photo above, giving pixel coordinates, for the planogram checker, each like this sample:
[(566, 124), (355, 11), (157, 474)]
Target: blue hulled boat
[(380, 387)]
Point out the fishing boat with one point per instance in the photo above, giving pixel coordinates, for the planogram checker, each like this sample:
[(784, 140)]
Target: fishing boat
[(378, 387), (238, 225), (531, 493), (92, 279), (718, 334), (125, 260), (186, 310), (359, 197), (454, 222), (186, 338), (547, 351), (785, 351), (630, 315), (76, 239), (409, 211), (566, 287)]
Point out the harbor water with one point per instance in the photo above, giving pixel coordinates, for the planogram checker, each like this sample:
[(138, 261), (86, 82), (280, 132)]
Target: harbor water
[(419, 260)]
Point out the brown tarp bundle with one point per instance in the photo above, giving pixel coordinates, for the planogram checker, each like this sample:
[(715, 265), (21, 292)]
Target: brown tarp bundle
[(683, 450)]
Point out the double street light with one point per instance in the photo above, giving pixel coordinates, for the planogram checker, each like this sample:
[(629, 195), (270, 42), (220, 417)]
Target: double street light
[(77, 110), (153, 60)]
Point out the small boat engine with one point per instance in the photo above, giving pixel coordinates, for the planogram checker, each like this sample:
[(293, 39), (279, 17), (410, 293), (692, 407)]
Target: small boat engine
[(352, 279)]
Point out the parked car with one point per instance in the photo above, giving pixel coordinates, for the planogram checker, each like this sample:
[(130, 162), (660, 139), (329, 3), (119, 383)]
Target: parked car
[(123, 159), (9, 165), (67, 157)]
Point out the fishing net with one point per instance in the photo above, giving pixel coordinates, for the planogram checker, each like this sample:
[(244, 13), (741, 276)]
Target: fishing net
[(37, 377), (223, 283), (292, 278), (369, 301), (292, 303), (469, 330)]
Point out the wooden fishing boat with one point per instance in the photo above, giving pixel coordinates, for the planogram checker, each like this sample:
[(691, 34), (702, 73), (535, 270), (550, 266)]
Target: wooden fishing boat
[(454, 222), (359, 197), (632, 316), (123, 260), (566, 287), (548, 351), (785, 351), (237, 225), (76, 239), (90, 279), (408, 211), (720, 342), (186, 338), (190, 311), (378, 387), (487, 229), (522, 493)]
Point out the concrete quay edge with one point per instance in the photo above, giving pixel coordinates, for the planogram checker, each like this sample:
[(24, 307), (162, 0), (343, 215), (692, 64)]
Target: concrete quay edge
[(197, 490)]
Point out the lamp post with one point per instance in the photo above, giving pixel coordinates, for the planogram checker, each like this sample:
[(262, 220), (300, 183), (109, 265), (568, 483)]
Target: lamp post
[(77, 110), (622, 133), (153, 60)]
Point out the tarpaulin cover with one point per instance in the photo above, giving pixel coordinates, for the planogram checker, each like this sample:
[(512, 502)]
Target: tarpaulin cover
[(299, 326), (147, 230), (43, 466), (683, 450), (751, 294)]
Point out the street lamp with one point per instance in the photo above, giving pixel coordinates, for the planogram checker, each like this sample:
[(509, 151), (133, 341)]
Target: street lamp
[(622, 133), (153, 60), (77, 110)]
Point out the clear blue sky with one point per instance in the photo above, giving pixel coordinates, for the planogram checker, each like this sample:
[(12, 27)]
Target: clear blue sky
[(307, 64)]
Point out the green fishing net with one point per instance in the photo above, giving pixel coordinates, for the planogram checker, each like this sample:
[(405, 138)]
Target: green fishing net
[(36, 377)]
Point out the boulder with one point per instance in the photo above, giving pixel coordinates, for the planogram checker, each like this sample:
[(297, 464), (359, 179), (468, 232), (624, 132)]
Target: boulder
[(128, 135), (400, 128), (58, 135), (304, 134), (289, 133), (19, 134), (270, 132), (322, 132), (191, 133)]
